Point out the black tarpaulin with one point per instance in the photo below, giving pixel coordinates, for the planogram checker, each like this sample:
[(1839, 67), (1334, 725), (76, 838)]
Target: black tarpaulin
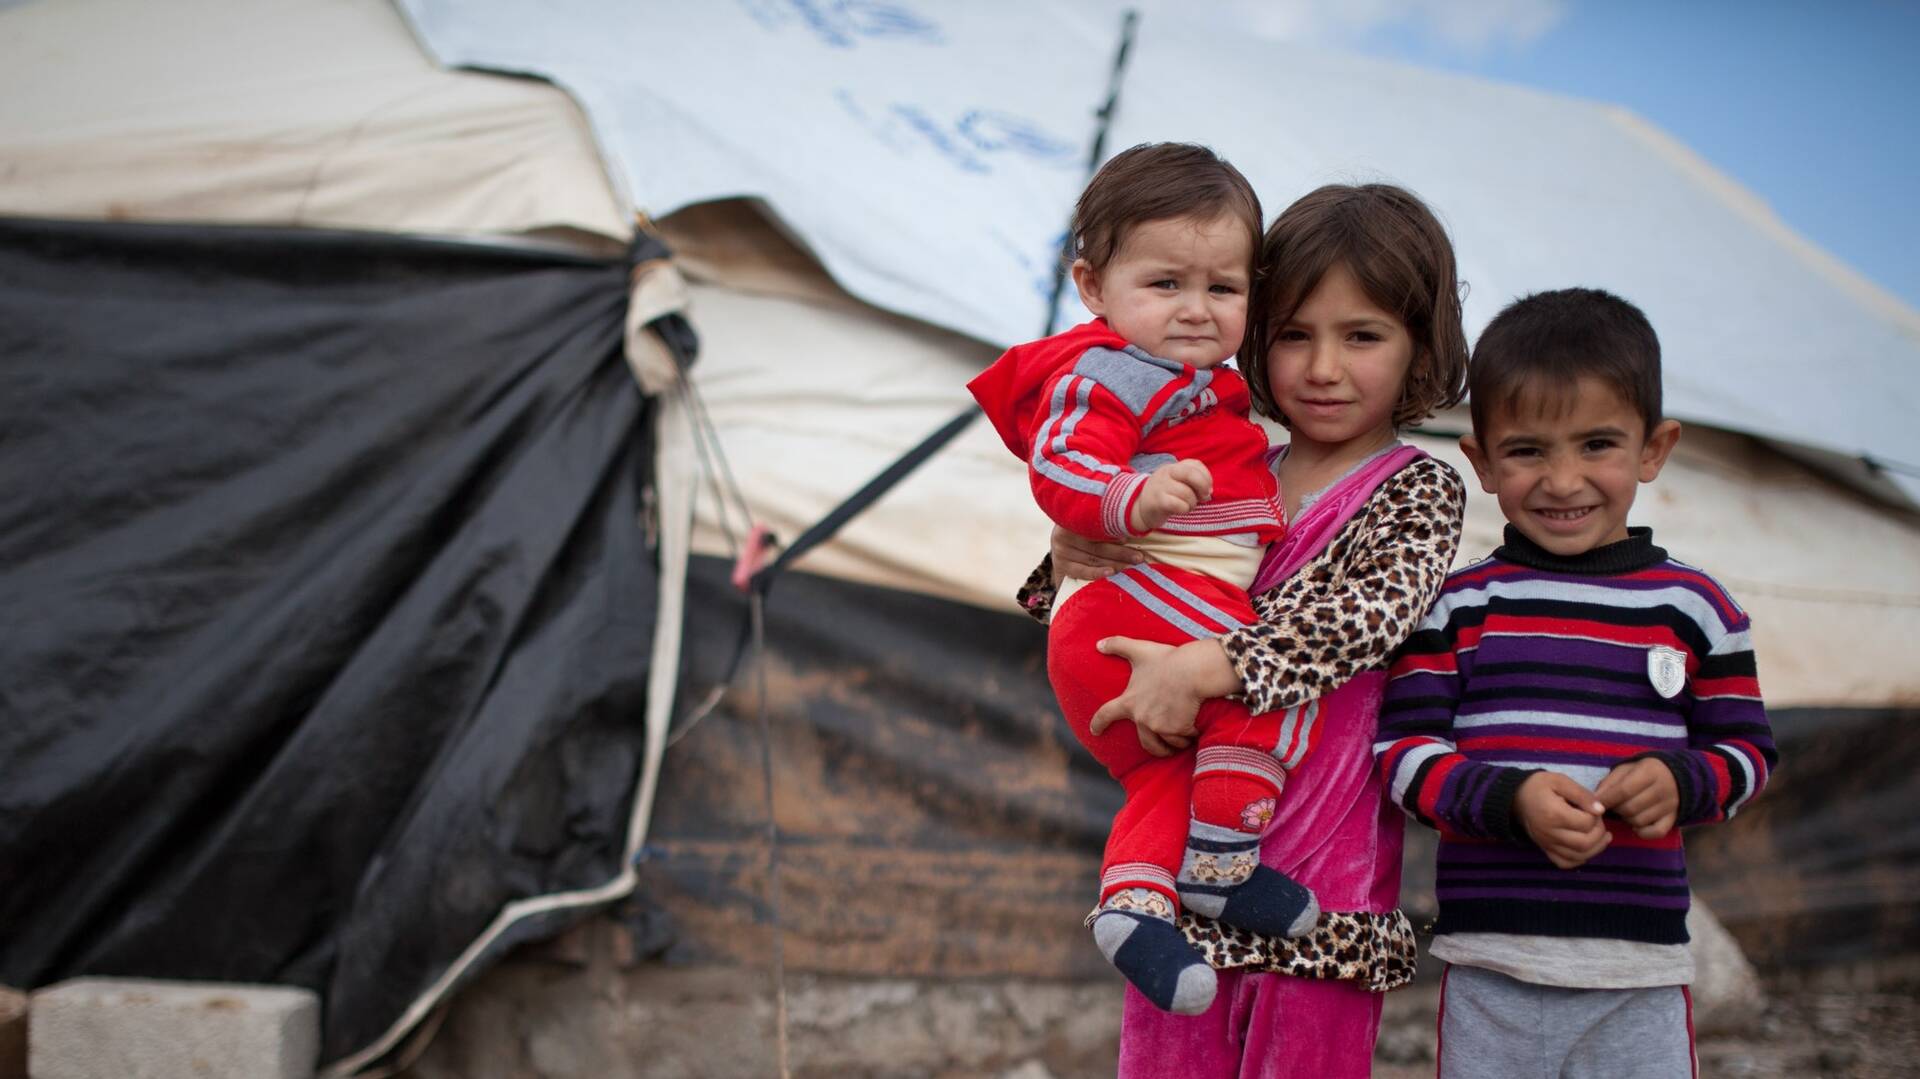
[(937, 819), (327, 601), (1822, 869)]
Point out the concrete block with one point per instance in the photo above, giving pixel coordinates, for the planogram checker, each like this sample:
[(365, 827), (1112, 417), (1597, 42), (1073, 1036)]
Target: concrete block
[(112, 1028)]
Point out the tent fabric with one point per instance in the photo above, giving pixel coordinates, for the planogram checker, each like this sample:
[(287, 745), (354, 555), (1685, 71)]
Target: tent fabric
[(1831, 579), (851, 123), (936, 818), (1821, 870), (928, 158), (933, 814), (283, 112), (332, 621), (812, 397), (1761, 332)]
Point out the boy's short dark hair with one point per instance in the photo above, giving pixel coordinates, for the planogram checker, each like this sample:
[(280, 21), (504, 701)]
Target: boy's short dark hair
[(1542, 345), (1398, 252), (1155, 181)]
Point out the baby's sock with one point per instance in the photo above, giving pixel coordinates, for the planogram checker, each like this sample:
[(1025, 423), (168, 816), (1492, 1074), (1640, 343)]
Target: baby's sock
[(1222, 878), (1134, 929)]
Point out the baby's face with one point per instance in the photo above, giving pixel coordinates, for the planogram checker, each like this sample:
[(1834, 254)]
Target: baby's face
[(1176, 288)]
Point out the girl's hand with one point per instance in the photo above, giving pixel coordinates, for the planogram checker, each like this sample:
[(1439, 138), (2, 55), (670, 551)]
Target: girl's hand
[(1077, 556), (1160, 697)]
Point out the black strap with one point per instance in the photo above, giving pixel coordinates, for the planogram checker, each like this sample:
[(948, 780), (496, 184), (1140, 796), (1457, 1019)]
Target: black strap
[(1094, 157), (857, 502)]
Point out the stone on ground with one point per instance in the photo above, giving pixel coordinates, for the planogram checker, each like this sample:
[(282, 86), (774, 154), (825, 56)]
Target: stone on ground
[(1726, 990), (110, 1028)]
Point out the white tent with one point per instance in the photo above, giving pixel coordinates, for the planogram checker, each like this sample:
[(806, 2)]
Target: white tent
[(923, 155), (1540, 191), (222, 113)]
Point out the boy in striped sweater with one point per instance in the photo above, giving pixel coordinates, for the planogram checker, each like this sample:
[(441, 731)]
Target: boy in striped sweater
[(1570, 703)]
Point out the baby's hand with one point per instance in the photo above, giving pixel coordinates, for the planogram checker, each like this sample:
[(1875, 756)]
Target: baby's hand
[(1562, 817), (1170, 491), (1642, 793)]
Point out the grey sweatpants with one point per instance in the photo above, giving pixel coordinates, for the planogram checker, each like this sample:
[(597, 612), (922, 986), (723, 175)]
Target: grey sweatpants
[(1496, 1027)]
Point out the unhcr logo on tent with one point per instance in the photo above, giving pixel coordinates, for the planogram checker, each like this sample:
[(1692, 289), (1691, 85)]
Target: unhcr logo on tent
[(842, 23), (967, 141)]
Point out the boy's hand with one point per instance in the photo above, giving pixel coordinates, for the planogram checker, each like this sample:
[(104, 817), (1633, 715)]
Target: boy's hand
[(1170, 490), (1562, 817), (1642, 793)]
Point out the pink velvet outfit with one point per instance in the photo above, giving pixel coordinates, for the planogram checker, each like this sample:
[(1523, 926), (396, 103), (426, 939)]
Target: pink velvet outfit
[(1336, 834), (1373, 550)]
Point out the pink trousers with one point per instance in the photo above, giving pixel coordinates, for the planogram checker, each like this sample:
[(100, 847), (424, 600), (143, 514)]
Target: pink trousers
[(1337, 834), (1261, 1026)]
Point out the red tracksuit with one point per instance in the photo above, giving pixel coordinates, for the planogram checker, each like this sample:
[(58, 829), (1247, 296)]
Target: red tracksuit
[(1092, 417)]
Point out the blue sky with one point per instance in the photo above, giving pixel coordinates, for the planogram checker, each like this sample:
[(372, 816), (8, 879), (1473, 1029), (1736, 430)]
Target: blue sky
[(1812, 107)]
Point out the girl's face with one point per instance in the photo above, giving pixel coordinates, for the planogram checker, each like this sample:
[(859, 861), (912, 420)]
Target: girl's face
[(1338, 366)]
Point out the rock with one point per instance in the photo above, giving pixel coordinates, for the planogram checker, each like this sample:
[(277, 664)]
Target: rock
[(1408, 1034), (1406, 1044), (833, 1005), (1729, 1063), (1726, 992), (1838, 1059), (1036, 1007)]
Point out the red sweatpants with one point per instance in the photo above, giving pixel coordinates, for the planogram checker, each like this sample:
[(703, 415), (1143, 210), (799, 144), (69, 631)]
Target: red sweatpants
[(1236, 766)]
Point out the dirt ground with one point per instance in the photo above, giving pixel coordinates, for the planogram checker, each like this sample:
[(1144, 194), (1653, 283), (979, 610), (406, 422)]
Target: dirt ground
[(540, 1019)]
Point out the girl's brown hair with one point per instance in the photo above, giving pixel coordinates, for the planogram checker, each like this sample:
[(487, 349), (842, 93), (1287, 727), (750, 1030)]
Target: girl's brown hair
[(1398, 252)]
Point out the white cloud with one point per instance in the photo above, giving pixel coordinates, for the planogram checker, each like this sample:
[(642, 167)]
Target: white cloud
[(1470, 26)]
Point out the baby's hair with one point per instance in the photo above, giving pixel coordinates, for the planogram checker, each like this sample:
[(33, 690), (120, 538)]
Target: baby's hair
[(1158, 181), (1535, 352), (1400, 255)]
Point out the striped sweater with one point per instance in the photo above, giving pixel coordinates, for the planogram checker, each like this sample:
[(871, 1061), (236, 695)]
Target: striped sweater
[(1532, 661)]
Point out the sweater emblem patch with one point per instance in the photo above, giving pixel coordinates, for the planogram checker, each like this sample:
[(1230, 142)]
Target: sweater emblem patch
[(1667, 670)]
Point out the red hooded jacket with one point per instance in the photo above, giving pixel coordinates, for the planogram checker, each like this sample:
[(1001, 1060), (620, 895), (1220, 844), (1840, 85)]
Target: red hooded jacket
[(1093, 416)]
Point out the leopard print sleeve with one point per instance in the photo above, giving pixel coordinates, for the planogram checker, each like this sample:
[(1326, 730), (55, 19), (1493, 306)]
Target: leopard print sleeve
[(1036, 596), (1347, 610)]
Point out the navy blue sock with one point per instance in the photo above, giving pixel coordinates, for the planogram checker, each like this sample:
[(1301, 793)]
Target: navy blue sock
[(1153, 954), (1222, 878)]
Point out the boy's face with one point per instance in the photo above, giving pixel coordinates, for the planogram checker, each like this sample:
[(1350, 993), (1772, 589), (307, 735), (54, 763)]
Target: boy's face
[(1177, 288), (1566, 476)]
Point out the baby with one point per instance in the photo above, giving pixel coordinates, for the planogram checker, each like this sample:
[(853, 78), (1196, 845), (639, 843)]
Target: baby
[(1134, 430)]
